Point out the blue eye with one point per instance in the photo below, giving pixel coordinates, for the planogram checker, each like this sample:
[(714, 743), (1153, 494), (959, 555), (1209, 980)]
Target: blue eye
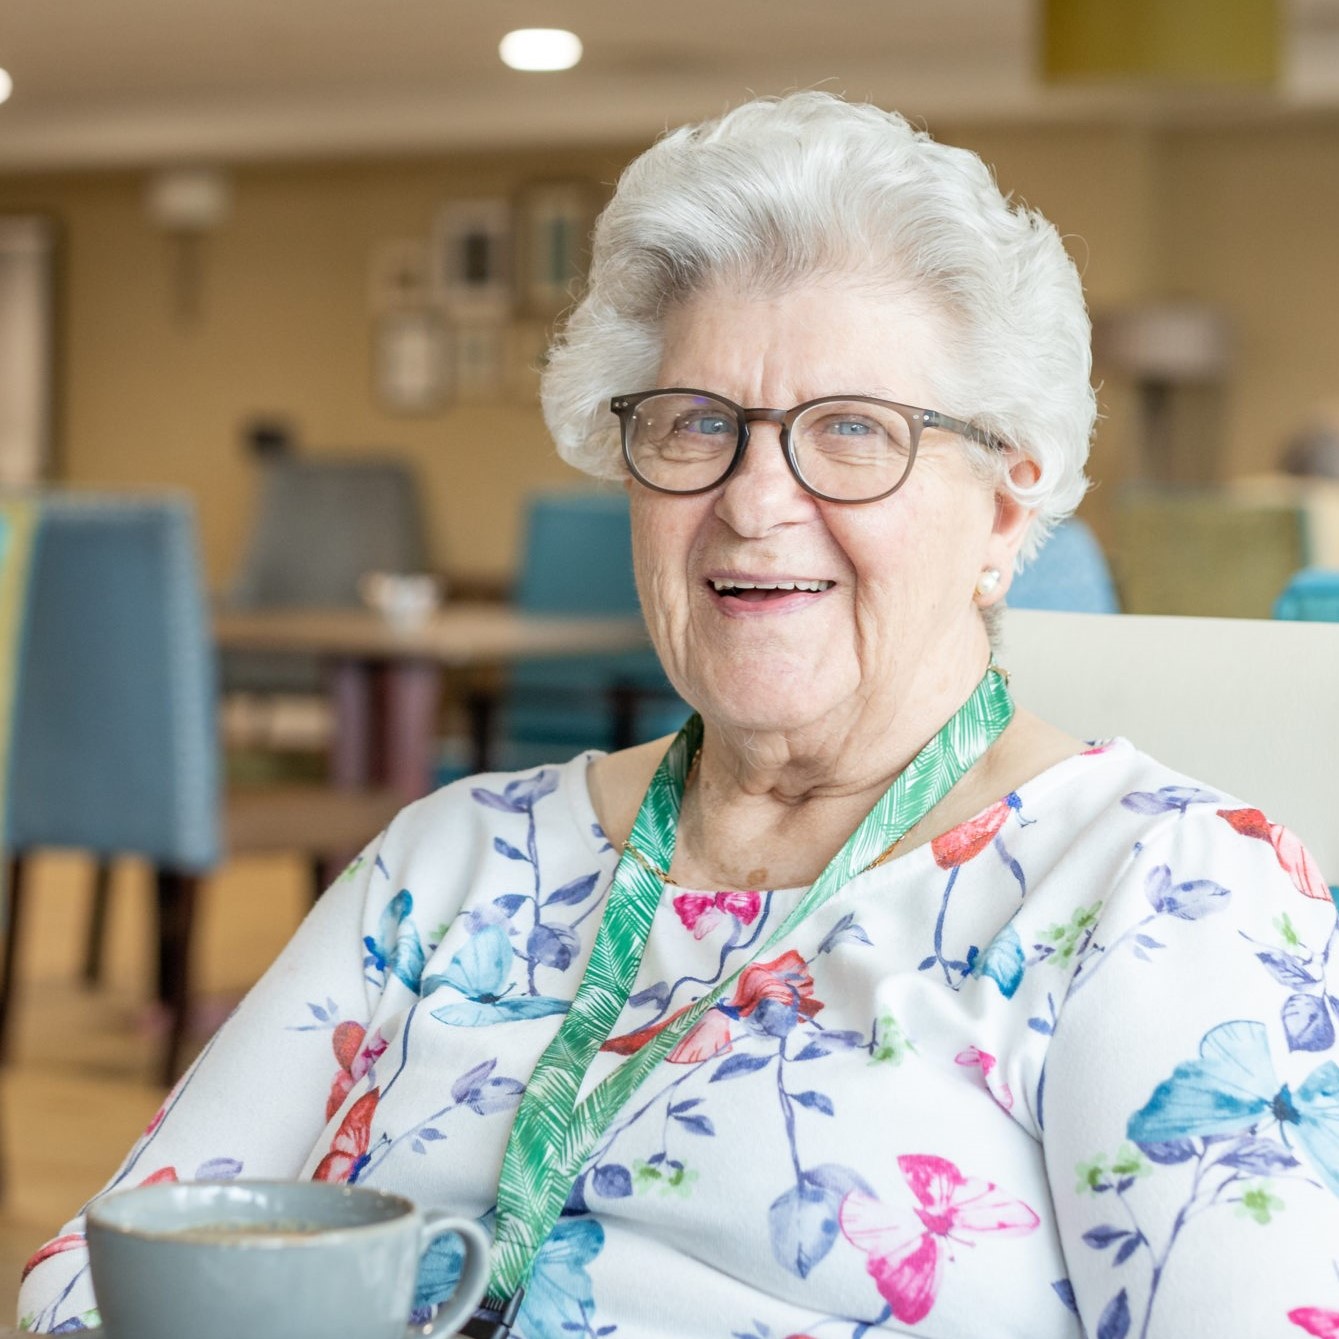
[(708, 425)]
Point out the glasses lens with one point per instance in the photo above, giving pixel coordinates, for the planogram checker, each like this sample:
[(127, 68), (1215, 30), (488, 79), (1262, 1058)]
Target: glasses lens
[(682, 442), (852, 449)]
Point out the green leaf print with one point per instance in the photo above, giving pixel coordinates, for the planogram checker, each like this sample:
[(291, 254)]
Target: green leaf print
[(1066, 940), (671, 1178), (891, 1045), (1259, 1203)]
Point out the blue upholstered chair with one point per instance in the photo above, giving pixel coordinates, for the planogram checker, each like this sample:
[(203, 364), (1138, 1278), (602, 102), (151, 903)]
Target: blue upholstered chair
[(577, 559), (1069, 573), (115, 746), (322, 522), (1311, 596)]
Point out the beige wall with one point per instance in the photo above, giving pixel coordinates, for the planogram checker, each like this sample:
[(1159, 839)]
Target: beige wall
[(1242, 218), (283, 329)]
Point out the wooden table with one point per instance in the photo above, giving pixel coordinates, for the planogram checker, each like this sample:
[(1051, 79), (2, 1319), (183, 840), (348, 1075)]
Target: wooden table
[(386, 682)]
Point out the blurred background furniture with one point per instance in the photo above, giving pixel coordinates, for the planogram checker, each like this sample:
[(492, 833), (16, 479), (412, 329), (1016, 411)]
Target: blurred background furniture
[(1311, 596), (1209, 552), (1069, 572), (115, 747), (387, 681), (577, 561), (1245, 704), (321, 523)]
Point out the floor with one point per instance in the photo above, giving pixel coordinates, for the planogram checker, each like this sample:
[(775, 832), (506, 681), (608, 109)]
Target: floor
[(80, 1086)]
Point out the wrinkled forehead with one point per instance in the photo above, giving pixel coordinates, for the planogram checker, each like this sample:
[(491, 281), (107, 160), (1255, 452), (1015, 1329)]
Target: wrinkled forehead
[(829, 334)]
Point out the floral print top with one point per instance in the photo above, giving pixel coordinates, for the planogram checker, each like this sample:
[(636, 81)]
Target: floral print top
[(1068, 1070)]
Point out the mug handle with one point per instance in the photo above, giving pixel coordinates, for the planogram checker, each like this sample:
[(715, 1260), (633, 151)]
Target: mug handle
[(473, 1281)]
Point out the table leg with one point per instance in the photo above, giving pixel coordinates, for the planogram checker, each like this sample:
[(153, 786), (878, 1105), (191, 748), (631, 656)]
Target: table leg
[(413, 697), (351, 748)]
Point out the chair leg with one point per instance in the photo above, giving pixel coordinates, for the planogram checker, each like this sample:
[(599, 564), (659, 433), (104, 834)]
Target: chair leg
[(14, 893), (176, 915), (97, 923)]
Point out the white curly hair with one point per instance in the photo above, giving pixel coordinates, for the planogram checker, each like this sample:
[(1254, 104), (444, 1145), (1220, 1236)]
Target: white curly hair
[(782, 190)]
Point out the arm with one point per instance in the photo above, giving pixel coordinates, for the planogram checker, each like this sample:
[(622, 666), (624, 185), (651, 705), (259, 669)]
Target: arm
[(1192, 1093), (255, 1101)]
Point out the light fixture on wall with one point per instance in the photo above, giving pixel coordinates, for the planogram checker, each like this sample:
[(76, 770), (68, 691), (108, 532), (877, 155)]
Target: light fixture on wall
[(187, 203), (540, 49), (6, 85)]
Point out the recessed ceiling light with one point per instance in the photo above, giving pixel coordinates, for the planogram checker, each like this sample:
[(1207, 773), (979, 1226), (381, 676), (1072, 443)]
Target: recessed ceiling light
[(6, 85), (540, 49)]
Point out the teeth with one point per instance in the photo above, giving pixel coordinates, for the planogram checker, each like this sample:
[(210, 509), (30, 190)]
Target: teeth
[(770, 585)]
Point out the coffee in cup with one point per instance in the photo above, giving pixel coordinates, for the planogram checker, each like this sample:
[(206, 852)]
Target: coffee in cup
[(271, 1260)]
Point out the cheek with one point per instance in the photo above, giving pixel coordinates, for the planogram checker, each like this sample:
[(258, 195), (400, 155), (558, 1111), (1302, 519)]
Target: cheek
[(661, 545)]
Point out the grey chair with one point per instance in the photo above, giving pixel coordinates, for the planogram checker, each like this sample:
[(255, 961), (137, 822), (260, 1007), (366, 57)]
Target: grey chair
[(115, 745), (322, 522)]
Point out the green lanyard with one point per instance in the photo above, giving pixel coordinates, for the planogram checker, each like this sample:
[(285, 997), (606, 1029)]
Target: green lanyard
[(554, 1133)]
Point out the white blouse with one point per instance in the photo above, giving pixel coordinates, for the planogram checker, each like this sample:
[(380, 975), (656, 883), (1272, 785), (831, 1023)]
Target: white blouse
[(1070, 1069)]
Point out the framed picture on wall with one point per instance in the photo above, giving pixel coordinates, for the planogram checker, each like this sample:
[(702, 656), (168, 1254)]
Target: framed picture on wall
[(479, 356), (553, 243), (471, 258), (412, 361)]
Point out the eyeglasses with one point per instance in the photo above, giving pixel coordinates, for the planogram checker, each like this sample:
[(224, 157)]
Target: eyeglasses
[(841, 448)]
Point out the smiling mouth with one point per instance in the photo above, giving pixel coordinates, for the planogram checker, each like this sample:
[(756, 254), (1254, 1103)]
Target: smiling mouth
[(764, 590)]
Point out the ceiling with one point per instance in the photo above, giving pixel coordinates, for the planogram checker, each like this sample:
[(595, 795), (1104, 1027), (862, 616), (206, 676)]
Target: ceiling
[(143, 81)]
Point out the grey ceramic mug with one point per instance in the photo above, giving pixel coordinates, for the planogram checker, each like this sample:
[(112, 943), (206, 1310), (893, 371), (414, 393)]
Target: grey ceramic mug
[(271, 1260)]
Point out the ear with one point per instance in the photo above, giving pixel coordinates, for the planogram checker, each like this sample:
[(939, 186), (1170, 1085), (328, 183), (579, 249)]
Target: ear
[(1012, 522)]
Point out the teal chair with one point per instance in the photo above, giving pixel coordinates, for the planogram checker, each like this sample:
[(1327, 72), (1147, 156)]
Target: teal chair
[(114, 748), (1070, 572), (577, 559), (1311, 596), (115, 739)]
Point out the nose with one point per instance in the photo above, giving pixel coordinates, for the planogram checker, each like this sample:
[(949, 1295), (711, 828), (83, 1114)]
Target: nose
[(762, 493)]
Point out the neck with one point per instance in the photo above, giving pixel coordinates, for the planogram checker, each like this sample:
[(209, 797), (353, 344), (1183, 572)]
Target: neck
[(771, 808)]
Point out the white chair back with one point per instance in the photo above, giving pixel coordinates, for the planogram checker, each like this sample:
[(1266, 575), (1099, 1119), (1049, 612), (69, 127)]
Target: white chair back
[(1247, 705)]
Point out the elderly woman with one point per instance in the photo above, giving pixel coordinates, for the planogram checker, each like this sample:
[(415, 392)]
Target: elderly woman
[(868, 1003)]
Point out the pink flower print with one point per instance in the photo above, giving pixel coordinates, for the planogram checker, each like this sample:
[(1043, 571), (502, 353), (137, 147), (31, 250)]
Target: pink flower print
[(958, 845), (995, 1086), (701, 913), (1314, 1320), (1299, 863), (906, 1245)]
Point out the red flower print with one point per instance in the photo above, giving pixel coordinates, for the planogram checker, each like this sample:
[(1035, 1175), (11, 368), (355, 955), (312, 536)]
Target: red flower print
[(958, 845), (348, 1149), (776, 995), (1296, 860), (71, 1241), (162, 1174), (355, 1060), (701, 913), (1314, 1320), (784, 981), (906, 1244)]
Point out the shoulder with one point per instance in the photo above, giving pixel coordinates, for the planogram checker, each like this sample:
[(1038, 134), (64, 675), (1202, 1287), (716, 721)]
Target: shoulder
[(440, 844)]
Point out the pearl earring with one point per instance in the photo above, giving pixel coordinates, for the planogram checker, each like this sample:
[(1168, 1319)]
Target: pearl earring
[(987, 581)]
